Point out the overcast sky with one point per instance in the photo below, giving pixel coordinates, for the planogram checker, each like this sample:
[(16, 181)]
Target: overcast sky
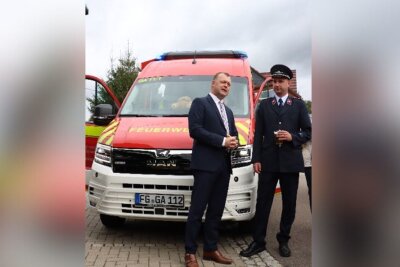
[(271, 32)]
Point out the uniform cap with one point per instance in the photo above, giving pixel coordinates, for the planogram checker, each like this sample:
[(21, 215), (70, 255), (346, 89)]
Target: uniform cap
[(280, 70)]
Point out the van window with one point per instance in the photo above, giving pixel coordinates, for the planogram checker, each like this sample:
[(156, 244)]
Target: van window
[(266, 94), (172, 96), (95, 94)]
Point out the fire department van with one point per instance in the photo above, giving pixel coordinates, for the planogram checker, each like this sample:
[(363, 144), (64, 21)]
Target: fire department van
[(141, 167)]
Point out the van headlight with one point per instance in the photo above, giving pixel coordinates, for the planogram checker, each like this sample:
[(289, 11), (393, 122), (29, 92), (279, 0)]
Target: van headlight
[(103, 154), (241, 156)]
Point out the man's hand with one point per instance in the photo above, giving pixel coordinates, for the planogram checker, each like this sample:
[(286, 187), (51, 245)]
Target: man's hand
[(284, 136), (257, 167), (231, 142)]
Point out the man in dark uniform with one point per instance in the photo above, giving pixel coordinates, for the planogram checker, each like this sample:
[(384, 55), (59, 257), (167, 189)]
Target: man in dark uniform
[(282, 126), (212, 126)]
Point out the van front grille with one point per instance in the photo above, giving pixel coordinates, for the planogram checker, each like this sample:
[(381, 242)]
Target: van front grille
[(158, 187), (169, 211), (174, 162)]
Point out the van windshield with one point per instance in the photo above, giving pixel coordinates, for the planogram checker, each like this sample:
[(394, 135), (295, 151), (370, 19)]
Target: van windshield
[(172, 96)]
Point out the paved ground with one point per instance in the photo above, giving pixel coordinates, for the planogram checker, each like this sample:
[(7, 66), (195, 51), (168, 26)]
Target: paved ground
[(151, 243)]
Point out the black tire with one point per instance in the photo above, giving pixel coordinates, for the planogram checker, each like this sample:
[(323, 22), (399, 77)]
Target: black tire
[(111, 221)]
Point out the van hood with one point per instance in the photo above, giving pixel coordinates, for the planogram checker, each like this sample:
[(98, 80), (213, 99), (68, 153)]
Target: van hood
[(157, 133), (153, 132)]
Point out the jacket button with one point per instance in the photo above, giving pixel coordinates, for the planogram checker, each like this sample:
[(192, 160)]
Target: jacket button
[(280, 122)]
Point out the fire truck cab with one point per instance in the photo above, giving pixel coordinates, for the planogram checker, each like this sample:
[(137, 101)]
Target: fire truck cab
[(141, 167)]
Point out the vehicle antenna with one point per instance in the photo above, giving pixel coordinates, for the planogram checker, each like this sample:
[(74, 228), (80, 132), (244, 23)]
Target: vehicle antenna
[(194, 58)]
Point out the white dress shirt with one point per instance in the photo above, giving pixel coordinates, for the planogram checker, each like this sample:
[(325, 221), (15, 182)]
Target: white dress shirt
[(216, 101), (283, 99)]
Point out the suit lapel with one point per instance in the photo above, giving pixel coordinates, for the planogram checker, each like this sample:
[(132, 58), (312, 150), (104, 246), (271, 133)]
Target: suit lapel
[(280, 111), (231, 119), (287, 106), (274, 105)]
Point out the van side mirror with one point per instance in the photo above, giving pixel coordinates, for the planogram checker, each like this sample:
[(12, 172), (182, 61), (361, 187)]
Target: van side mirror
[(103, 114)]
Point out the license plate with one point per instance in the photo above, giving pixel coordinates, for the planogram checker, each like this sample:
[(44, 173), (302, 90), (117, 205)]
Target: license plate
[(159, 200)]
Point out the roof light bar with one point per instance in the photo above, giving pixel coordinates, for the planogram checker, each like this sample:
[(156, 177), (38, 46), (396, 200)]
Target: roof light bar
[(202, 54)]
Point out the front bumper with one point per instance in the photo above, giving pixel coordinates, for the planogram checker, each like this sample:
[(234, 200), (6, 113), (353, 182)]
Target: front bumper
[(114, 194)]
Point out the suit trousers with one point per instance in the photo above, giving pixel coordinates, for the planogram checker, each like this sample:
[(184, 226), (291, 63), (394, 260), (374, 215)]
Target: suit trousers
[(209, 191), (267, 182)]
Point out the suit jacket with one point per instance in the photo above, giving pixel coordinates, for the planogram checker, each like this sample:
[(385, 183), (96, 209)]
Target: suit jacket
[(292, 117), (207, 129)]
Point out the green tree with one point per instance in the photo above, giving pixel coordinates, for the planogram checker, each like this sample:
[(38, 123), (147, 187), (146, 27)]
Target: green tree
[(308, 105), (120, 77)]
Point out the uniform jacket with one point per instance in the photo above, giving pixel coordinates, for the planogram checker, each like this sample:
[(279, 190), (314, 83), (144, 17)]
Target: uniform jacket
[(207, 129), (292, 117)]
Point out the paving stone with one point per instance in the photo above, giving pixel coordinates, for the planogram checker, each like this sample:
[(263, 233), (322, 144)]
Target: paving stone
[(147, 244), (110, 264)]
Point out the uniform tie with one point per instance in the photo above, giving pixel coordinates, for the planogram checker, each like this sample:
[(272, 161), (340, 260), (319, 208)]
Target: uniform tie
[(280, 102), (223, 116)]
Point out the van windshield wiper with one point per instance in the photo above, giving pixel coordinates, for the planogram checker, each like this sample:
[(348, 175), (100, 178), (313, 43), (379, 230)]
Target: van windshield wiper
[(153, 115), (139, 115), (174, 115)]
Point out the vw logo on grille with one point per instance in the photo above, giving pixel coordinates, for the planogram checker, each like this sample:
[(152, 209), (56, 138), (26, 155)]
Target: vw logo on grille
[(162, 154)]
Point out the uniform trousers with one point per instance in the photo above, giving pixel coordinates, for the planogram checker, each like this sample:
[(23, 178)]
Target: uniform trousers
[(267, 182)]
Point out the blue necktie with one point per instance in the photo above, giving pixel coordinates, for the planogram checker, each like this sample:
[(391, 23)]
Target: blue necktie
[(280, 102)]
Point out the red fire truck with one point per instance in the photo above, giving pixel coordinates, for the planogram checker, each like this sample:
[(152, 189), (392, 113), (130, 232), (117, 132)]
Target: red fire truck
[(141, 166)]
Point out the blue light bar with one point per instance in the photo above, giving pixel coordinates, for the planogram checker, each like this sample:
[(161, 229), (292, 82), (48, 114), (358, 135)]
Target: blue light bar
[(202, 54), (160, 57), (241, 54)]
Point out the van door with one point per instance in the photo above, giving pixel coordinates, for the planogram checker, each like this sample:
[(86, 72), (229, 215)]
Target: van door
[(96, 92)]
